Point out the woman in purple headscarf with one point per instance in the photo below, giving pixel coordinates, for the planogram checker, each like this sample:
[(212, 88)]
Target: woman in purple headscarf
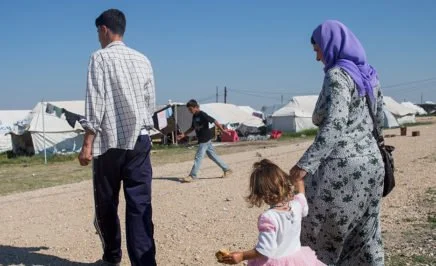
[(343, 169)]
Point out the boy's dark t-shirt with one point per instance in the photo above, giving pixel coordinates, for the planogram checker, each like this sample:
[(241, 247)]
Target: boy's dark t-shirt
[(200, 122)]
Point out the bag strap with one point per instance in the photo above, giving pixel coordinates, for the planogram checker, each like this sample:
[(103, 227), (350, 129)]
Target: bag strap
[(374, 123)]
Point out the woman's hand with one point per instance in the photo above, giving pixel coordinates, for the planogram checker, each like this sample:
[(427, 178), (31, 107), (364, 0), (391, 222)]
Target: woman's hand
[(297, 174), (233, 258)]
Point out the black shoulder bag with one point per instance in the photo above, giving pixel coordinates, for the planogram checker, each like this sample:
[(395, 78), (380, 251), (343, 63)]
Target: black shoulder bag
[(386, 152)]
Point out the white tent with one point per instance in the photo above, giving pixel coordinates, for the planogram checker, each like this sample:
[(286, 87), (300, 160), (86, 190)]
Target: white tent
[(49, 131), (231, 115), (269, 110), (8, 120), (419, 110), (389, 121), (402, 113), (247, 109), (252, 111), (296, 115)]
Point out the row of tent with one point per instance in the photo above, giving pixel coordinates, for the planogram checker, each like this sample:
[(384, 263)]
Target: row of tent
[(33, 132), (297, 114), (244, 119)]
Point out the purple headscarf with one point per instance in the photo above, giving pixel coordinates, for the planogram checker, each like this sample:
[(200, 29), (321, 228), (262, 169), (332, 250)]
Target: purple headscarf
[(340, 47)]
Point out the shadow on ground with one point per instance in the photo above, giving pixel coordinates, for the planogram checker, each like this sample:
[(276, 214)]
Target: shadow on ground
[(28, 256), (178, 179)]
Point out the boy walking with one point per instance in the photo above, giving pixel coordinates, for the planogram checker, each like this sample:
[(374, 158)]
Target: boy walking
[(200, 123)]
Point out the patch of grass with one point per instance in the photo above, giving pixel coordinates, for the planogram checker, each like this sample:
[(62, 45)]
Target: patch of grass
[(424, 259), (305, 133), (36, 159), (427, 115), (417, 124), (20, 178), (401, 260), (431, 219), (396, 260), (431, 191)]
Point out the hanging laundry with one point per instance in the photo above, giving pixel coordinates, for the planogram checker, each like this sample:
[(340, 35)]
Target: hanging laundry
[(50, 109), (169, 112), (72, 118), (162, 120)]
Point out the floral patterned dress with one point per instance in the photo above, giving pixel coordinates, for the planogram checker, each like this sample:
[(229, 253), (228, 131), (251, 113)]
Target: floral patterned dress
[(344, 184)]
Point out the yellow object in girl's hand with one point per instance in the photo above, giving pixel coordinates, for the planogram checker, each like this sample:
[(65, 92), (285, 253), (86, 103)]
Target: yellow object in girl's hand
[(221, 253)]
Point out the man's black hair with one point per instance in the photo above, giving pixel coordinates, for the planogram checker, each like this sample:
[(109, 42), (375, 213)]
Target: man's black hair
[(114, 20), (192, 103), (312, 40)]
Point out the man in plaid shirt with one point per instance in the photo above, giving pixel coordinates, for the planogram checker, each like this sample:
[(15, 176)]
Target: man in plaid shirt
[(120, 99)]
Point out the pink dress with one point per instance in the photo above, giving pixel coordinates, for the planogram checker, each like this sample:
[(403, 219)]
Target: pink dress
[(279, 237)]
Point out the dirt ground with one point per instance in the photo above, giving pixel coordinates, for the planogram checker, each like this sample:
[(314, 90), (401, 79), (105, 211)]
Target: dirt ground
[(53, 226)]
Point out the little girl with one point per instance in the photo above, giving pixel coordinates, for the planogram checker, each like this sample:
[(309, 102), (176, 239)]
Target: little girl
[(279, 226)]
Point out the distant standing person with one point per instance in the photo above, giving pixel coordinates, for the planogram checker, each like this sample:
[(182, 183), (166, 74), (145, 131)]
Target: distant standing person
[(200, 123), (120, 99)]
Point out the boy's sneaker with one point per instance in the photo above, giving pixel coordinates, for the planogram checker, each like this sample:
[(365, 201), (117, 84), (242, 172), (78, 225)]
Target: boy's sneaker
[(227, 173), (188, 179)]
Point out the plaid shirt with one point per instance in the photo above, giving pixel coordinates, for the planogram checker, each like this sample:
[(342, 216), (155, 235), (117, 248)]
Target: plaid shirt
[(120, 97)]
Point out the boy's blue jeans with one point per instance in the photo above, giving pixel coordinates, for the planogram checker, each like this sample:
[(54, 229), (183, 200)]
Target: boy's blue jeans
[(206, 148)]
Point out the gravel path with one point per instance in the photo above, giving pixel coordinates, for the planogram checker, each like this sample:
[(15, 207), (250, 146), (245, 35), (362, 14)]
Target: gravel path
[(53, 226)]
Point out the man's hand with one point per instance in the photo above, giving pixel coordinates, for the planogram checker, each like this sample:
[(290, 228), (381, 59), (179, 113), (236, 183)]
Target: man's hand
[(181, 136), (85, 156), (233, 258)]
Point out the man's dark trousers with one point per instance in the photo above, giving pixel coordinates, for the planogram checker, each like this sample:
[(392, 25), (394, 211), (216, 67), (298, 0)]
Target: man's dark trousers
[(133, 167)]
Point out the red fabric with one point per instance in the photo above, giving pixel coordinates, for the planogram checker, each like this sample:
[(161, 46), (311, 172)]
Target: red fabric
[(231, 136), (276, 134)]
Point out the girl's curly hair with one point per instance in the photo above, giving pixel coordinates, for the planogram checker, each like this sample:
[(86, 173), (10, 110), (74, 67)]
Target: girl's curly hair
[(269, 184)]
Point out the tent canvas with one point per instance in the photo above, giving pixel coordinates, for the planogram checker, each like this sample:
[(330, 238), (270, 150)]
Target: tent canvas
[(389, 121), (252, 111), (419, 110), (429, 108), (59, 136), (247, 109), (402, 113), (296, 115), (269, 110), (8, 120), (232, 116)]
